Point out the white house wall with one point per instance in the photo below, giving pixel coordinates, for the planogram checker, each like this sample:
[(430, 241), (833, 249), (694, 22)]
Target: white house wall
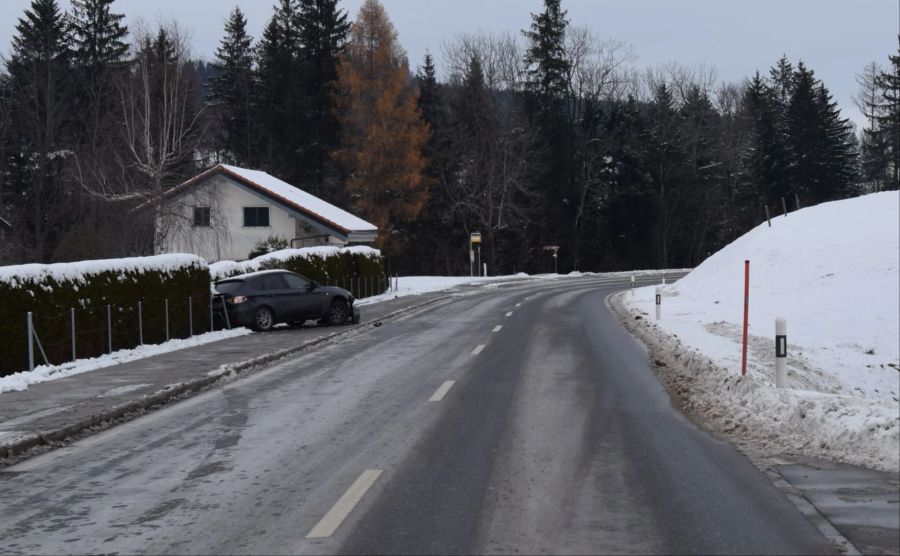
[(226, 238)]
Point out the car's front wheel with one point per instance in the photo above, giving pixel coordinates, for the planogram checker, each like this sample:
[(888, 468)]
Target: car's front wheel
[(264, 320), (338, 312)]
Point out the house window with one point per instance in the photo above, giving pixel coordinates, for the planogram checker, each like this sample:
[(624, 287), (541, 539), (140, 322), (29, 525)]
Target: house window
[(201, 217), (256, 217)]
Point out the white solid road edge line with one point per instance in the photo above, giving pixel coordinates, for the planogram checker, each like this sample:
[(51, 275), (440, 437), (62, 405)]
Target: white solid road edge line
[(442, 391), (345, 504), (497, 328), (477, 349)]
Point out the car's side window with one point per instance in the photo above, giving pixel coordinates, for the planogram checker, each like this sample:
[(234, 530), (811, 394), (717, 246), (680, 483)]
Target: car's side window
[(270, 282), (296, 282)]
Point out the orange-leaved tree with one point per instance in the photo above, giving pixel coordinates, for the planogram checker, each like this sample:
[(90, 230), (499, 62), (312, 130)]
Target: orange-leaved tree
[(382, 132)]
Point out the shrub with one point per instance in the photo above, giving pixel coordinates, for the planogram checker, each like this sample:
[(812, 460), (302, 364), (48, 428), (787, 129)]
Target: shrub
[(269, 245)]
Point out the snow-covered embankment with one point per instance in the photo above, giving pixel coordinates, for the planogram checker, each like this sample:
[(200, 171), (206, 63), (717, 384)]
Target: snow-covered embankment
[(833, 271)]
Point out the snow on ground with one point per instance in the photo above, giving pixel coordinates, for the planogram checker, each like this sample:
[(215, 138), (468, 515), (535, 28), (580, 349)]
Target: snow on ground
[(43, 373), (833, 271)]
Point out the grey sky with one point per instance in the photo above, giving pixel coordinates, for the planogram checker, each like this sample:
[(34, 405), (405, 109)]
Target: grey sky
[(835, 38)]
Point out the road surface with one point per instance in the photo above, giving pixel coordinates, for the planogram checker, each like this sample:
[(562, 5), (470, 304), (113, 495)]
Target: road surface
[(522, 419)]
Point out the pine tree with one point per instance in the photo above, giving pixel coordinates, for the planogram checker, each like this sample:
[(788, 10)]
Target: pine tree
[(323, 30), (381, 128), (280, 106), (98, 37), (663, 159), (40, 76), (233, 92), (888, 117), (547, 67), (819, 157)]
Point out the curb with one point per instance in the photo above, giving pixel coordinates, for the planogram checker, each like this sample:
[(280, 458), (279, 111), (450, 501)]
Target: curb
[(12, 451)]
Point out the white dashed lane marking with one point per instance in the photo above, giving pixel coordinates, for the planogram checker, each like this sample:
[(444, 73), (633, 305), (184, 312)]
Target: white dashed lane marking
[(497, 328), (442, 391), (509, 314), (477, 349), (345, 504)]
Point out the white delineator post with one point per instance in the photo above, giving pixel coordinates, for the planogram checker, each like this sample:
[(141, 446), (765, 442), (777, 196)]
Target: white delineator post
[(780, 353), (658, 302), (632, 285)]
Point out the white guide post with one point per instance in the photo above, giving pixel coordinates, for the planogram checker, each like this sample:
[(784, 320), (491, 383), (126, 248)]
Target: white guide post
[(780, 353), (632, 285), (658, 302)]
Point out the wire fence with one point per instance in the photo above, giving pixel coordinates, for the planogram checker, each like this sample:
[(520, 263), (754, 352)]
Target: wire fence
[(73, 333)]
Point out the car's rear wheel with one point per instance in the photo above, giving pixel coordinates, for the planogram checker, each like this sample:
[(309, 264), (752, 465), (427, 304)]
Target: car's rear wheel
[(264, 319), (338, 312)]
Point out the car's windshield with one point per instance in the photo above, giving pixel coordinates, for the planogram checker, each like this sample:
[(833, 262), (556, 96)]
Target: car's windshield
[(229, 287)]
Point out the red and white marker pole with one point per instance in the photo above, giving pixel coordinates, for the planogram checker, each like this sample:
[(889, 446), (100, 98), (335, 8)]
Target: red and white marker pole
[(746, 310)]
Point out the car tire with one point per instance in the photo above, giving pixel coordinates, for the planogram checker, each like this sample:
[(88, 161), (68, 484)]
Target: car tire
[(338, 312), (264, 319)]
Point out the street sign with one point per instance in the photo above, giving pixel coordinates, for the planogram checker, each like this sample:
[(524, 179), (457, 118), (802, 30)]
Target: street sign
[(551, 248), (475, 237)]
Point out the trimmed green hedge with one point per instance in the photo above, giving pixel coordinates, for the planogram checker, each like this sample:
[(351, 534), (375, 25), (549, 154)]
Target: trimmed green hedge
[(50, 292), (358, 269)]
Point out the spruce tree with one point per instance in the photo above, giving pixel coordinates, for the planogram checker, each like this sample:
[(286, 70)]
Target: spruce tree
[(323, 30), (40, 78), (663, 160), (547, 67), (888, 117), (233, 92), (98, 36), (280, 106)]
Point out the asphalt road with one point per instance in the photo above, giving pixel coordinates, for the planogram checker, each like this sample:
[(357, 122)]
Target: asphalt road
[(519, 420)]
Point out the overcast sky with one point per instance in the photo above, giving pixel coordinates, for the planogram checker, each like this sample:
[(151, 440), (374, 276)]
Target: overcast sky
[(835, 38)]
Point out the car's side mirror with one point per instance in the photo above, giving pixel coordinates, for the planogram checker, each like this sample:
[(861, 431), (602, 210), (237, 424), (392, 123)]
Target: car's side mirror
[(311, 286)]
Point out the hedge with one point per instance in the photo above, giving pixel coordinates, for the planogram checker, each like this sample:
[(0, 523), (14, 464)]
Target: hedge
[(358, 269), (49, 292)]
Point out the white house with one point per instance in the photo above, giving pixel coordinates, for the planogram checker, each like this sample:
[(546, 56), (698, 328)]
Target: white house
[(224, 212)]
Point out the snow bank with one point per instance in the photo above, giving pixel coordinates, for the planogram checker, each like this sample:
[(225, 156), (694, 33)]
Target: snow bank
[(833, 271), (224, 269), (78, 271)]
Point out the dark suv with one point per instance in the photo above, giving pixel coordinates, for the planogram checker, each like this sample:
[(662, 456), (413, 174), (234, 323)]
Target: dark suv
[(263, 299)]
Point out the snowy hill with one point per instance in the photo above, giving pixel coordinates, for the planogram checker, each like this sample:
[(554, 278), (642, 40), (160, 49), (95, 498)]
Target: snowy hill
[(833, 271)]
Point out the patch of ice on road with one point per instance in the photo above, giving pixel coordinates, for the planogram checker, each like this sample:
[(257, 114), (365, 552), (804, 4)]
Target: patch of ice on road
[(21, 381)]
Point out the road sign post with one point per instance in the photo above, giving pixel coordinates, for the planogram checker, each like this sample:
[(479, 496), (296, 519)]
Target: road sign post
[(746, 311), (555, 249), (474, 242)]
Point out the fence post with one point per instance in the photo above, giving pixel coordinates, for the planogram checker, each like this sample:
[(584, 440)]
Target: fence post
[(140, 323), (109, 328), (211, 324), (225, 311), (30, 327), (72, 321), (190, 318), (780, 353), (167, 318), (658, 302)]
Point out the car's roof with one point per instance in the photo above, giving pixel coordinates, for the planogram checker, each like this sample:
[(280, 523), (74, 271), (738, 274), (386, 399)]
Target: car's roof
[(254, 275)]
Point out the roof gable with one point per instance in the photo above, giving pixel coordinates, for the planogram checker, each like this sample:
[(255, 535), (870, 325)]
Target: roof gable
[(284, 194)]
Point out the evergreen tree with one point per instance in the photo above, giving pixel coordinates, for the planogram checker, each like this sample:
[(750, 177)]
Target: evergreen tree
[(40, 77), (323, 30), (233, 92), (547, 67), (819, 157), (546, 90), (765, 160), (98, 36), (664, 156), (280, 105), (888, 117)]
